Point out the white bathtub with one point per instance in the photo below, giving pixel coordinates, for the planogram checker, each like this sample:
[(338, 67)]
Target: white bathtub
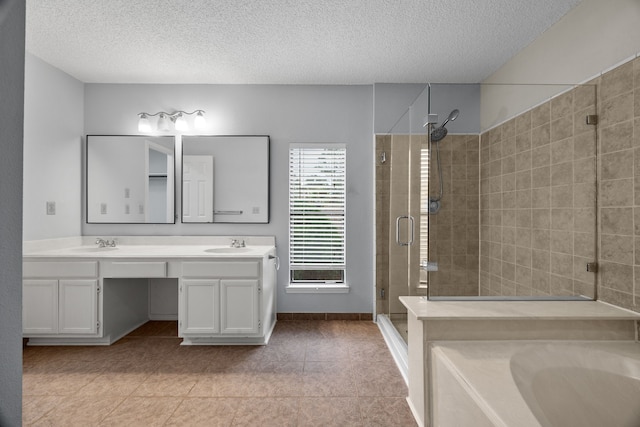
[(525, 383)]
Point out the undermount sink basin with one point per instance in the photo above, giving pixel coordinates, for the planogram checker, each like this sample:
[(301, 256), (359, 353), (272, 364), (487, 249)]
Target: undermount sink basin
[(94, 249), (227, 250)]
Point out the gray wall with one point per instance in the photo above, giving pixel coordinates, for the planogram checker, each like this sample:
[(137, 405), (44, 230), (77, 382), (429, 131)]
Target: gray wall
[(12, 16), (287, 113), (392, 102), (464, 97), (54, 117)]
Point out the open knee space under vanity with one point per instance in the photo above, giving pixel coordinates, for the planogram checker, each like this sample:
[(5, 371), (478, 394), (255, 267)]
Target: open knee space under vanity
[(75, 293)]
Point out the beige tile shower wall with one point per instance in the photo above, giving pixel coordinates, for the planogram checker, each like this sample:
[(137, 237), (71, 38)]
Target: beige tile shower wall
[(619, 186), (537, 200), (454, 231)]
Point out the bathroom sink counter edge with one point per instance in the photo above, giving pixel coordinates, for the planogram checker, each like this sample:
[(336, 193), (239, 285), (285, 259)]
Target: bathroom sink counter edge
[(150, 247)]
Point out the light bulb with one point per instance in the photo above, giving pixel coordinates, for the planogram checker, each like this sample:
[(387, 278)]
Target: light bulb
[(143, 124), (181, 123), (163, 123), (200, 122)]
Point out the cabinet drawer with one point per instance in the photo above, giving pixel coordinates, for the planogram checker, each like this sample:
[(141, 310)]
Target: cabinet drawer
[(132, 269), (221, 269), (60, 269)]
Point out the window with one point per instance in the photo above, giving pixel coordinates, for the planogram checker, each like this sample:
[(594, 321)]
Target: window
[(424, 210), (317, 202)]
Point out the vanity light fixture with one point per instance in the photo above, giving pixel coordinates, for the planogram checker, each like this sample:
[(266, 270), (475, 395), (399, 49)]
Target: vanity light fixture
[(165, 119)]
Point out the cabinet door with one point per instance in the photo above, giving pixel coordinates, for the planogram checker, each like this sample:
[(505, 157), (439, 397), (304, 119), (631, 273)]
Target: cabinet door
[(78, 307), (239, 306), (40, 307), (200, 306)]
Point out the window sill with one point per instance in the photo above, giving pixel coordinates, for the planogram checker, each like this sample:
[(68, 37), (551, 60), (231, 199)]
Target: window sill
[(317, 289)]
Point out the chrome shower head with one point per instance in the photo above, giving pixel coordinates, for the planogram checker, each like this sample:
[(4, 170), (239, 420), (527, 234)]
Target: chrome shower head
[(439, 133)]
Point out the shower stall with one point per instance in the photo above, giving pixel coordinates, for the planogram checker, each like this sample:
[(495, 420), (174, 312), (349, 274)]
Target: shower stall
[(487, 192)]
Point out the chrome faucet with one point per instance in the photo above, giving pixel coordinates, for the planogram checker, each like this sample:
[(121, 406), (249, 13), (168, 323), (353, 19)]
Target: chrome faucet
[(237, 243), (106, 243)]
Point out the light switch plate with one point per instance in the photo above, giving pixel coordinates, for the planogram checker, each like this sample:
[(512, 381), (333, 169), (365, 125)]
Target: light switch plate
[(51, 208)]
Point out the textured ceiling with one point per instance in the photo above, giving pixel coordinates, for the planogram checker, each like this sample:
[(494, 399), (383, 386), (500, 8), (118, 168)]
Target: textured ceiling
[(285, 41)]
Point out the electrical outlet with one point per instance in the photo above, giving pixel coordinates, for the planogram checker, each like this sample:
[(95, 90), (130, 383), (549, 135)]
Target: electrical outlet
[(141, 209), (127, 209), (51, 208), (127, 193), (103, 208), (256, 210)]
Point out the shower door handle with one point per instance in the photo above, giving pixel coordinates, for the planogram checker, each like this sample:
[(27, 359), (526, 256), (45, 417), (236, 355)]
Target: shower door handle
[(411, 230)]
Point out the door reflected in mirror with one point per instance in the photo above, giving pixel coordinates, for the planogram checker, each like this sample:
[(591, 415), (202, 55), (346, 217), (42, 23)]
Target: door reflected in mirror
[(130, 179), (225, 179)]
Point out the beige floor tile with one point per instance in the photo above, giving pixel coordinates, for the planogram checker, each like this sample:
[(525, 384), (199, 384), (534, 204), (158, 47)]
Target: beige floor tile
[(369, 351), (267, 412), (167, 385), (327, 349), (311, 373), (156, 328), (276, 380), (142, 411), (42, 362), (221, 384), (35, 407), (329, 412), (176, 364), (379, 380), (56, 384), (204, 412), (328, 379), (359, 330), (386, 411), (114, 384), (81, 411), (282, 351)]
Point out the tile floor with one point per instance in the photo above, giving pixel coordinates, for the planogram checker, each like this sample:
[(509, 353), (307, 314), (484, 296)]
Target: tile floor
[(312, 373)]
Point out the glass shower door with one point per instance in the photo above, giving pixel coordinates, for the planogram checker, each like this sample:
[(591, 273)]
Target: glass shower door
[(398, 219)]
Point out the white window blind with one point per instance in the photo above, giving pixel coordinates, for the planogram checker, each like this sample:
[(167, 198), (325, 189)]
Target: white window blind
[(424, 210), (317, 202), (424, 203)]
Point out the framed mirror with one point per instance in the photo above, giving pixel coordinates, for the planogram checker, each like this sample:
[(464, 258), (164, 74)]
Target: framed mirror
[(130, 179), (225, 179)]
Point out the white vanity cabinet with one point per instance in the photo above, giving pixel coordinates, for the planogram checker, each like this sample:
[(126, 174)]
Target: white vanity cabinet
[(200, 303), (240, 306), (83, 295), (214, 306), (227, 301), (60, 298)]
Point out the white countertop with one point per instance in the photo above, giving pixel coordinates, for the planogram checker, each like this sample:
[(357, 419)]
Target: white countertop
[(506, 310), (149, 247)]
